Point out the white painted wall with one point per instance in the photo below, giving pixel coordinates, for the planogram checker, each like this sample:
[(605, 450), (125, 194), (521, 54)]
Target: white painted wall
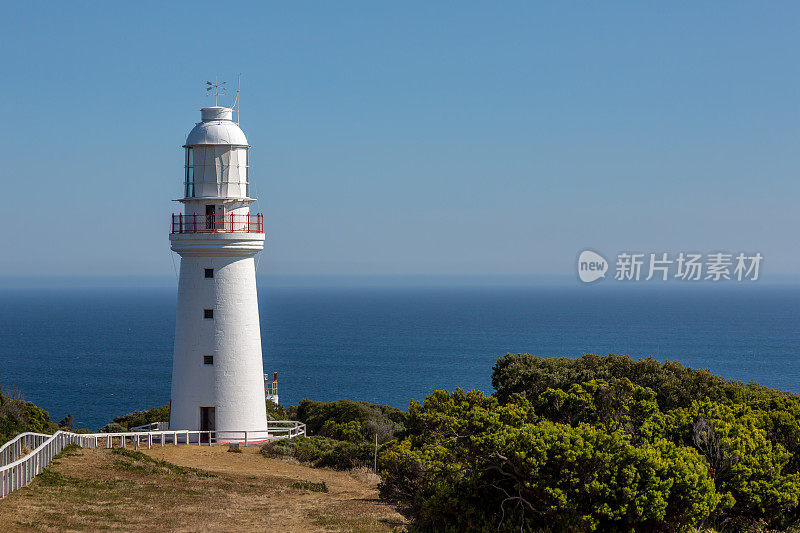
[(234, 384)]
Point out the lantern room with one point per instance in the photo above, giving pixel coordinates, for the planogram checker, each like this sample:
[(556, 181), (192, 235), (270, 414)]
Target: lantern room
[(216, 158)]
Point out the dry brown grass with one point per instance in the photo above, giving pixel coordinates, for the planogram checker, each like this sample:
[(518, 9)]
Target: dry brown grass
[(191, 488)]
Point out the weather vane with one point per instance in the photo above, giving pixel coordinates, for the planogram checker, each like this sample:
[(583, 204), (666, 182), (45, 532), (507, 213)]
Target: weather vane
[(218, 88)]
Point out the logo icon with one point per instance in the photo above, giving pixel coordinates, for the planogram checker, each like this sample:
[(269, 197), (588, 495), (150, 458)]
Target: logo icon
[(591, 266)]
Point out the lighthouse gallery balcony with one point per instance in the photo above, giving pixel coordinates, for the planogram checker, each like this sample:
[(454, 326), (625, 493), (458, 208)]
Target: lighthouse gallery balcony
[(212, 223)]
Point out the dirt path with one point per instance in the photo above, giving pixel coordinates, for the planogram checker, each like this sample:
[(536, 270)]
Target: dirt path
[(191, 488)]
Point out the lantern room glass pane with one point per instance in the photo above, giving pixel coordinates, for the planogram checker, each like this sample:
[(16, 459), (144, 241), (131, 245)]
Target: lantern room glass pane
[(189, 173)]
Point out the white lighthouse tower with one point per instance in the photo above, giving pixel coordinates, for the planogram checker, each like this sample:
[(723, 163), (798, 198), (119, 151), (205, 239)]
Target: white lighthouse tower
[(217, 371)]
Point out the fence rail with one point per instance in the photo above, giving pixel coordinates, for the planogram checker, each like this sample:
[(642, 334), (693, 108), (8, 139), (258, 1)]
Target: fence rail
[(213, 223), (27, 454)]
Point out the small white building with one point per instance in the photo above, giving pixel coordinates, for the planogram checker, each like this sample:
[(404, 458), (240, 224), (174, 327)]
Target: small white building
[(217, 371)]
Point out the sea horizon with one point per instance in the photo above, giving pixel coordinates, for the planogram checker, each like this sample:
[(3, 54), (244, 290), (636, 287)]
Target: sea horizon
[(396, 280)]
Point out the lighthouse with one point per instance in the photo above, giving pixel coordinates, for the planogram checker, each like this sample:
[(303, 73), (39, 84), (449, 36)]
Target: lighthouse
[(217, 370)]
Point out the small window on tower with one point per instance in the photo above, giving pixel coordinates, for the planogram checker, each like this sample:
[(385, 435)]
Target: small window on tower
[(208, 313), (209, 272), (208, 359)]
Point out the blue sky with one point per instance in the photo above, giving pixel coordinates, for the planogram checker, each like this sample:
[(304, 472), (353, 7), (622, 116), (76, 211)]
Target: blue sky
[(423, 138)]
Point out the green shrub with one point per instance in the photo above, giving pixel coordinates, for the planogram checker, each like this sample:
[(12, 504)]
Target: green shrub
[(321, 452), (745, 466), (310, 486), (279, 448), (304, 449), (18, 416), (276, 412), (469, 463), (68, 423), (675, 385), (351, 421), (349, 431), (310, 449), (140, 418), (599, 443), (614, 405), (113, 427), (347, 455)]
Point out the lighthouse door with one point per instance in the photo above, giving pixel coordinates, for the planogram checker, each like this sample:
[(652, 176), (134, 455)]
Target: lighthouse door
[(207, 421), (211, 217)]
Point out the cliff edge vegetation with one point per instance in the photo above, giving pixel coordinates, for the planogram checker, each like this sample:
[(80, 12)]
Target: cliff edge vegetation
[(18, 416), (599, 443)]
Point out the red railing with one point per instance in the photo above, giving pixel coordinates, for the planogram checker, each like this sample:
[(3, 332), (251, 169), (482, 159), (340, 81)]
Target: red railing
[(198, 223)]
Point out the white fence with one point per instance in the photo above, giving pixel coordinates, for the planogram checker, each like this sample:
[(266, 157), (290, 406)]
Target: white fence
[(25, 456)]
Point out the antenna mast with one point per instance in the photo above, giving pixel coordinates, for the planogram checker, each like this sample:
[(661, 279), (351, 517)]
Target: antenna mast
[(236, 101)]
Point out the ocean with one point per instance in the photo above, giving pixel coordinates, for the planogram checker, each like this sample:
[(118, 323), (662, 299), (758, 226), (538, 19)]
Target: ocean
[(101, 352)]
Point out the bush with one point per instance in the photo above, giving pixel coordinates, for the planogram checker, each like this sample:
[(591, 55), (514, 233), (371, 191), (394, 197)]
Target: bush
[(744, 464), (351, 421), (615, 405), (599, 443), (113, 427), (140, 418), (18, 416), (675, 387), (68, 423), (310, 486), (276, 412), (346, 456), (279, 448), (321, 452), (674, 384), (469, 463)]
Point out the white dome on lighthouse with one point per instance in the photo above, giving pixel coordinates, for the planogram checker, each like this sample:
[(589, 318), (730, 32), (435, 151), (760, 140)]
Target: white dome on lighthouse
[(217, 127)]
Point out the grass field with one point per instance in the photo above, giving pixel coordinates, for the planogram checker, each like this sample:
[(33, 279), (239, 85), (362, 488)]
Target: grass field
[(192, 488)]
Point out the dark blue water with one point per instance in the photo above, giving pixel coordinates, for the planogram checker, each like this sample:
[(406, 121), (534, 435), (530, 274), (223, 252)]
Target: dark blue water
[(98, 353)]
